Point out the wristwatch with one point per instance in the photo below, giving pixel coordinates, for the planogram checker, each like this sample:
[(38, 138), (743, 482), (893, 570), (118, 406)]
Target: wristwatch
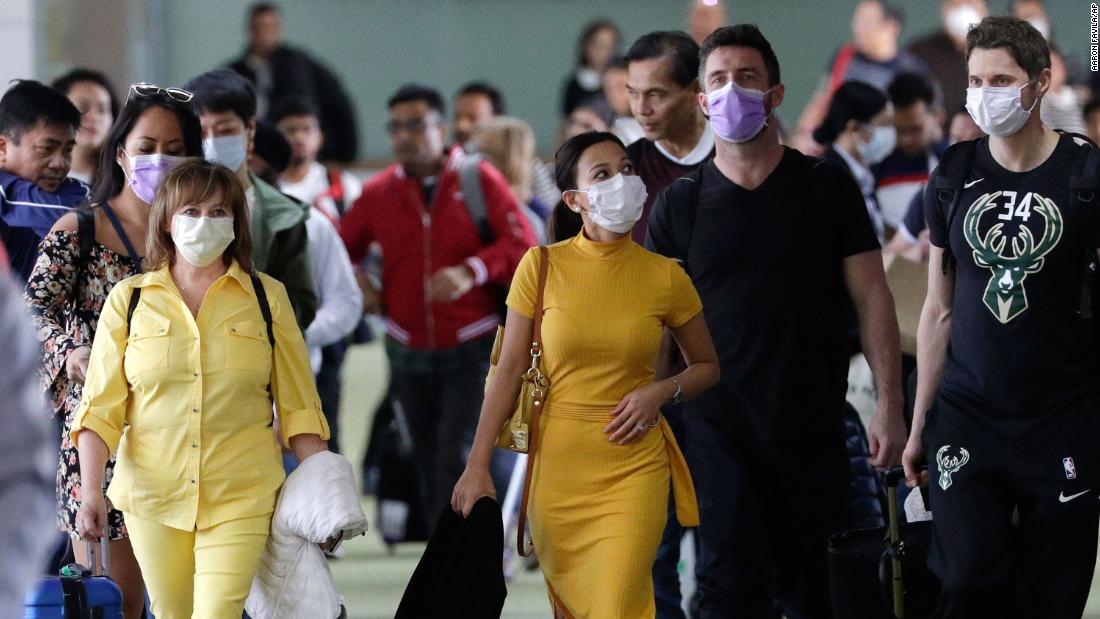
[(679, 396)]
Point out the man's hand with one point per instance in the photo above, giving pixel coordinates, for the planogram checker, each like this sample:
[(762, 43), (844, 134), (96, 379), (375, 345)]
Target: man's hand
[(913, 460), (76, 364), (450, 283), (372, 298), (886, 435)]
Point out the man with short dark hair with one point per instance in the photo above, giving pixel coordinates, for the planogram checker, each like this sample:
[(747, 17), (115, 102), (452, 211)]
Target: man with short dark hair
[(226, 104), (37, 136), (779, 246), (661, 74), (1008, 389), (475, 103), (329, 189), (439, 279), (903, 173), (280, 71)]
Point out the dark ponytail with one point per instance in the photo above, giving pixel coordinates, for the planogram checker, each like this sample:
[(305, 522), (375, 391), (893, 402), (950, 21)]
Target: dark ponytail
[(564, 222), (852, 101)]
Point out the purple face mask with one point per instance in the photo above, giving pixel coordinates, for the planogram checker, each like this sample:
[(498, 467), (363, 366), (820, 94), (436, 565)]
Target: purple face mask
[(146, 173), (737, 114)]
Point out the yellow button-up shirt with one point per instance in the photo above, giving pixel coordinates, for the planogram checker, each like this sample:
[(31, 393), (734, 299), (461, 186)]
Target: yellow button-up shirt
[(186, 402)]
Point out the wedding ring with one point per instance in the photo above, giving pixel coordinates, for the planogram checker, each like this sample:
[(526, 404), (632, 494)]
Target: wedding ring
[(639, 427)]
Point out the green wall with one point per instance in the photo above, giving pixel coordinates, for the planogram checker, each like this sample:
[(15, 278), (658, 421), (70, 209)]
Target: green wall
[(525, 46)]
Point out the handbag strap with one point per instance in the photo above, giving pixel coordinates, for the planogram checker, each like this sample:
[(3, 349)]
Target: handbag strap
[(522, 546)]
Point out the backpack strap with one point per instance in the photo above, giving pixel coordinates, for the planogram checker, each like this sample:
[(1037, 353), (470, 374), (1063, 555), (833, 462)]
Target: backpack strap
[(265, 307), (949, 178), (683, 196), (469, 178), (1084, 186), (336, 190), (135, 296), (85, 238)]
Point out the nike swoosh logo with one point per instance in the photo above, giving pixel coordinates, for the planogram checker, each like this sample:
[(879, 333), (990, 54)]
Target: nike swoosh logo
[(972, 183), (1062, 498)]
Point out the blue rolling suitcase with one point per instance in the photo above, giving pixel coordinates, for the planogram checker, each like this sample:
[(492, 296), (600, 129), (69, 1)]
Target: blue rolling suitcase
[(78, 592)]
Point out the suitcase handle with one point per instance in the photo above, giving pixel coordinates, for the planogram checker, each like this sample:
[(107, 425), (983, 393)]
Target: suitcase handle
[(100, 563)]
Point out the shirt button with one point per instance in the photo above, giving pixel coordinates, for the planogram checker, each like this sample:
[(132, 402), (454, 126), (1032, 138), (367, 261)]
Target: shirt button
[(195, 374), (192, 481), (194, 410), (194, 445)]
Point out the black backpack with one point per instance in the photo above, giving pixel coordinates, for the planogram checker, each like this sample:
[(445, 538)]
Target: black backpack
[(1084, 183)]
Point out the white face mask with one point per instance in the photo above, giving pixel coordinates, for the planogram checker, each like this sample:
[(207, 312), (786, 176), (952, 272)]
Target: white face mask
[(960, 19), (229, 150), (997, 110), (616, 204), (201, 240), (882, 143)]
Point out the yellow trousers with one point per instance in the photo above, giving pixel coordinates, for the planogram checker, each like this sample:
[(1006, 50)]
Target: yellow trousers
[(203, 574)]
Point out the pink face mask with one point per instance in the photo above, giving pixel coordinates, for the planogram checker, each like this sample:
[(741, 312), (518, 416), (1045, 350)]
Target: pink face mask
[(737, 114), (146, 172)]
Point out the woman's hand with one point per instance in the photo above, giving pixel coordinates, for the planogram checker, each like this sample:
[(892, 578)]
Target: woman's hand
[(76, 364), (474, 484), (638, 412), (91, 517)]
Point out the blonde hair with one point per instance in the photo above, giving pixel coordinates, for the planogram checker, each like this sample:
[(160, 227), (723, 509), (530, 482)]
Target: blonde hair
[(192, 182), (509, 144)]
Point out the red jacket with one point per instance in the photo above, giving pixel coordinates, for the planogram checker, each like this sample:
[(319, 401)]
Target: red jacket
[(418, 239)]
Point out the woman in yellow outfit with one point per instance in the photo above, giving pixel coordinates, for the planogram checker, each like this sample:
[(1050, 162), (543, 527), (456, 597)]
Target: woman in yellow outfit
[(604, 457), (184, 368)]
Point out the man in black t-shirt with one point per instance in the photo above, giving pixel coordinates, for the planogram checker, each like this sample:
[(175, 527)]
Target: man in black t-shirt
[(1007, 386), (661, 72), (775, 243)]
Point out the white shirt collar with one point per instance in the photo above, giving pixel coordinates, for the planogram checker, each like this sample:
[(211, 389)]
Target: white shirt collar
[(862, 175), (698, 154)]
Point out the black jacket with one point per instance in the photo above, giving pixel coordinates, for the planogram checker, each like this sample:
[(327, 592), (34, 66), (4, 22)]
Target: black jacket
[(297, 74), (460, 573)]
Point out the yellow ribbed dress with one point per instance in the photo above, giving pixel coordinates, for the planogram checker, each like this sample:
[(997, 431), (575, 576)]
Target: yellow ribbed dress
[(597, 509)]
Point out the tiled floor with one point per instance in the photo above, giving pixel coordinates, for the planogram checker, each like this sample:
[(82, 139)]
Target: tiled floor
[(371, 577)]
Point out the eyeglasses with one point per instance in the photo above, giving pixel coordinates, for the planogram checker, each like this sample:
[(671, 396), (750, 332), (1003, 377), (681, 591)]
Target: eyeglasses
[(145, 89), (416, 125)]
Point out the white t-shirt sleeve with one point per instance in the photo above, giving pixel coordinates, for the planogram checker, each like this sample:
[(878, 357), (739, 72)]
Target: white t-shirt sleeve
[(341, 301)]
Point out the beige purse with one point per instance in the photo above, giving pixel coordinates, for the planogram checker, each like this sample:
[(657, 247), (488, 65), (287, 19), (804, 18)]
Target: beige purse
[(520, 431)]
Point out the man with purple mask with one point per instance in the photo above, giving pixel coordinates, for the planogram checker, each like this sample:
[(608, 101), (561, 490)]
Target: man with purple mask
[(776, 243)]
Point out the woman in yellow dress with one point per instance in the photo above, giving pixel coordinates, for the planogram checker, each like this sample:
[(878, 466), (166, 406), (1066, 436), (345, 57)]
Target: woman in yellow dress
[(604, 456)]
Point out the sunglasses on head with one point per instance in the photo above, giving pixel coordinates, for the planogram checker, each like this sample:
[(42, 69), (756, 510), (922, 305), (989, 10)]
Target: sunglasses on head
[(145, 89)]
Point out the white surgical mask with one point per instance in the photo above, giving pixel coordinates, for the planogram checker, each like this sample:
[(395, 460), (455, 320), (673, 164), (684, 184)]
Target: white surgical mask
[(997, 110), (960, 19), (616, 204), (201, 240), (229, 150), (882, 143)]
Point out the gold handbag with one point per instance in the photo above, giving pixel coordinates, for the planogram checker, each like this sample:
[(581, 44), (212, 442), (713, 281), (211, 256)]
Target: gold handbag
[(518, 431)]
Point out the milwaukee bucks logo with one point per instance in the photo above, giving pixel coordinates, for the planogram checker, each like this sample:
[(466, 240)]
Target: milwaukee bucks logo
[(1005, 294), (949, 465)]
